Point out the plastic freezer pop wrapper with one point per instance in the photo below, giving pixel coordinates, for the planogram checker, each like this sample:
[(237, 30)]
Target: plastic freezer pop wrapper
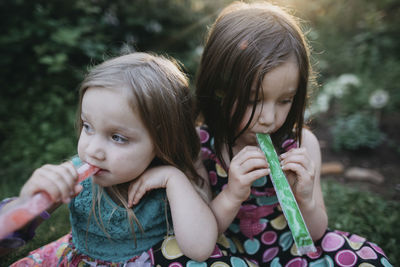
[(286, 198), (24, 210)]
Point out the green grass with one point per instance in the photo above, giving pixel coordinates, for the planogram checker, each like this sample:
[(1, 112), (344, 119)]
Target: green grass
[(365, 214), (351, 210)]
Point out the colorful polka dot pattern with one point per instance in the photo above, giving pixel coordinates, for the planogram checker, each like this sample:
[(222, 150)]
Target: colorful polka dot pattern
[(260, 232)]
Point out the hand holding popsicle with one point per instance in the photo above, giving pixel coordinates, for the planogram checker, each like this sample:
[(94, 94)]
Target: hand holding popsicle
[(24, 209), (286, 199)]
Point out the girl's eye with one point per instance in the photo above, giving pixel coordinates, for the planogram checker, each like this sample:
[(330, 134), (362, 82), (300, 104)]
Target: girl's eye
[(86, 127), (119, 138), (286, 101)]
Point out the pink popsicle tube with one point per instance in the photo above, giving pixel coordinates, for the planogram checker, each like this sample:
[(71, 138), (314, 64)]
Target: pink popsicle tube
[(24, 210)]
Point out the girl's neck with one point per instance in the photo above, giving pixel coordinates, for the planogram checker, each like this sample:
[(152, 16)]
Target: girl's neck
[(122, 188)]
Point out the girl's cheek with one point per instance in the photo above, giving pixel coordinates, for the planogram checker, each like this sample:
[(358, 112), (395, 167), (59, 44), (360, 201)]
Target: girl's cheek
[(246, 118)]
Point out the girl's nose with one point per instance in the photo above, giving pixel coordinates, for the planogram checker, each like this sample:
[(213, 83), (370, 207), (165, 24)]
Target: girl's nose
[(267, 115), (95, 149)]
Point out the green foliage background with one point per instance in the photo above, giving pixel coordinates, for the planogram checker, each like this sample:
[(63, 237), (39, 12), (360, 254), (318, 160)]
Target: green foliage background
[(47, 46)]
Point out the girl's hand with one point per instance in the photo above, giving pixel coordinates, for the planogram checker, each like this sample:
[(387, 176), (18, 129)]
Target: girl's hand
[(152, 178), (300, 172), (58, 181), (246, 167)]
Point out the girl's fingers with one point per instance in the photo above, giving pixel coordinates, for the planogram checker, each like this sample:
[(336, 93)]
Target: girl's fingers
[(307, 166), (71, 171), (248, 159), (42, 183), (247, 153), (141, 191), (136, 192), (77, 189), (254, 175), (299, 157), (300, 171), (254, 164), (247, 149), (294, 151), (57, 180), (133, 187), (69, 175), (64, 189), (296, 155), (292, 179), (294, 167)]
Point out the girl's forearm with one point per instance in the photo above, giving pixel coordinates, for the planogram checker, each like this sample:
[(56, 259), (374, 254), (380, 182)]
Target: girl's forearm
[(225, 209), (194, 223), (316, 219)]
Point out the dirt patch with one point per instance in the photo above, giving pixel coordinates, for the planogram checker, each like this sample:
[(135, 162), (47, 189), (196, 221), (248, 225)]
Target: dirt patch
[(384, 159)]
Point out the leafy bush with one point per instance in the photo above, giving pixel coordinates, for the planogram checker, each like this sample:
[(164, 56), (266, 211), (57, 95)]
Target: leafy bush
[(357, 37), (356, 131), (47, 47)]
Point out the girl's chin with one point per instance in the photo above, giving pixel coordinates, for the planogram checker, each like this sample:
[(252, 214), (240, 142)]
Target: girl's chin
[(100, 178), (100, 182), (251, 140)]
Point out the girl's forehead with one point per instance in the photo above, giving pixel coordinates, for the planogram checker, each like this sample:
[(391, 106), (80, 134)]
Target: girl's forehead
[(289, 65)]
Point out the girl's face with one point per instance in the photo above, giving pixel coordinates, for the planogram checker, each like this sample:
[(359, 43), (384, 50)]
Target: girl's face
[(273, 104), (113, 137)]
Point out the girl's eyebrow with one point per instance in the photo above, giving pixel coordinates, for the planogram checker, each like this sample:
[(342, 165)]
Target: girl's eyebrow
[(291, 92), (83, 116)]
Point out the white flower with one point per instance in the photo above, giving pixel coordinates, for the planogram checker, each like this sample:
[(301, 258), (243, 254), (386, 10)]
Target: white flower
[(323, 102), (338, 87), (349, 79), (332, 88), (378, 98), (198, 51)]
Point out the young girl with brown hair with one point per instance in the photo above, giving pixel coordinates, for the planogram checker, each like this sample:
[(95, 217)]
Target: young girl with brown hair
[(134, 116), (253, 78)]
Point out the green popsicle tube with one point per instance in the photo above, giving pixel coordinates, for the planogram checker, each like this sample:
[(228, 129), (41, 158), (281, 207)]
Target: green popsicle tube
[(286, 198)]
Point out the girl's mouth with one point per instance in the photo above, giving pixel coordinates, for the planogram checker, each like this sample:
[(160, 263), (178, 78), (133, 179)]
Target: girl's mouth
[(100, 172)]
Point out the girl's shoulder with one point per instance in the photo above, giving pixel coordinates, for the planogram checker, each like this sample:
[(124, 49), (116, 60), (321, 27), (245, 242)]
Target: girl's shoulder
[(311, 144), (309, 139)]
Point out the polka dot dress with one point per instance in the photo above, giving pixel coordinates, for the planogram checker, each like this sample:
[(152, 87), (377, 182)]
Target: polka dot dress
[(260, 231)]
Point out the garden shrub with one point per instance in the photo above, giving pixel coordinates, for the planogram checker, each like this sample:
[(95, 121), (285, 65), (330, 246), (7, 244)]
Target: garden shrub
[(359, 130)]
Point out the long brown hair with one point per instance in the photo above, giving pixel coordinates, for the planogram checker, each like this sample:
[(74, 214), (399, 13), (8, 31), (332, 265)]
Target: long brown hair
[(245, 42), (158, 90)]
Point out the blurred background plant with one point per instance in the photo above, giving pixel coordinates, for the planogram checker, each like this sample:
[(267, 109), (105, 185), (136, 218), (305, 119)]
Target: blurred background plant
[(47, 46), (358, 58)]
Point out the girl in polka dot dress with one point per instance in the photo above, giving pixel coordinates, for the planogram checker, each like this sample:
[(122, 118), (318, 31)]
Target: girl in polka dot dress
[(253, 78)]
